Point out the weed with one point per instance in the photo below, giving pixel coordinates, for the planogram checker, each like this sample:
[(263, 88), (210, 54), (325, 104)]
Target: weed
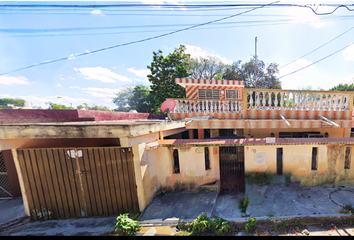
[(350, 222), (220, 226), (287, 179), (199, 225), (126, 226), (191, 185), (347, 208), (250, 224), (260, 178), (243, 203)]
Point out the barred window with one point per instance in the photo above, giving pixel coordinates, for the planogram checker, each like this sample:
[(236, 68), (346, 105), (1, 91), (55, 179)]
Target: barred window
[(209, 93), (314, 159), (175, 161), (231, 94), (207, 159), (347, 158)]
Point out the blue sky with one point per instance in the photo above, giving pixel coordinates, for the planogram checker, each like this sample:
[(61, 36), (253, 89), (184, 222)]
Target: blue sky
[(34, 35)]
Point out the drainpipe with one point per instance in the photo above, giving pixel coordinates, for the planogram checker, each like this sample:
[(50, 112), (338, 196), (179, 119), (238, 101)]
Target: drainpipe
[(286, 121), (329, 121)]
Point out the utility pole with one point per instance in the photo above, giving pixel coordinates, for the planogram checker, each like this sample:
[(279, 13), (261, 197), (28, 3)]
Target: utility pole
[(255, 67)]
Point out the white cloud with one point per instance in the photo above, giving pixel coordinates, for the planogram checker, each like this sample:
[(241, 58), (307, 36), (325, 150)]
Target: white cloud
[(104, 90), (102, 95), (348, 53), (75, 87), (101, 74), (8, 80), (304, 15), (58, 85), (97, 12), (140, 73), (197, 52)]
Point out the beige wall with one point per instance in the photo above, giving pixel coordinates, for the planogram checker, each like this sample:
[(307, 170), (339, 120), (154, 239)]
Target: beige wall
[(297, 161), (156, 173)]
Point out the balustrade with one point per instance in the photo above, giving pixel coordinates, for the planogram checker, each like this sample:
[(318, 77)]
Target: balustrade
[(297, 100), (184, 105)]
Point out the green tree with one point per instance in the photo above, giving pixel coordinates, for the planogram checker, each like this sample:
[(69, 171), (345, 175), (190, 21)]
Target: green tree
[(57, 106), (122, 99), (16, 102), (343, 87), (164, 70), (266, 78), (232, 71), (141, 100), (93, 107), (206, 68)]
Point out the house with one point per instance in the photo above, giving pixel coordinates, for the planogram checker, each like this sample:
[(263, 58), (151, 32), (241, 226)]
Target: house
[(79, 163)]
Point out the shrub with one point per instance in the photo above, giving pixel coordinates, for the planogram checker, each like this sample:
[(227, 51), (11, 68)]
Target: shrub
[(126, 226), (243, 203), (220, 226), (201, 224), (250, 224)]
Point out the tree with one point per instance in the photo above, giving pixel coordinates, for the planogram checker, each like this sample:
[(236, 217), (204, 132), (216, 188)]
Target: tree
[(57, 106), (206, 68), (232, 71), (164, 70), (343, 87), (16, 102), (266, 78), (122, 99), (93, 107), (141, 100)]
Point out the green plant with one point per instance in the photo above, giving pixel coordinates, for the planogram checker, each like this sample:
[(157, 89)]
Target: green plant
[(126, 226), (260, 178), (350, 222), (220, 226), (243, 203), (347, 208), (199, 225), (250, 224), (191, 185), (287, 178)]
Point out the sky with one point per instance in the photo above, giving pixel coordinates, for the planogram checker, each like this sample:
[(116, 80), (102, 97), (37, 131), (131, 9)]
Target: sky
[(49, 54)]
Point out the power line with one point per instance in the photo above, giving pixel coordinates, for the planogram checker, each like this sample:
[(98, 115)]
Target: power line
[(318, 47), (316, 61), (138, 41)]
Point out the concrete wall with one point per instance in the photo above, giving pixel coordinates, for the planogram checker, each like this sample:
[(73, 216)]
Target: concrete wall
[(297, 161), (156, 170)]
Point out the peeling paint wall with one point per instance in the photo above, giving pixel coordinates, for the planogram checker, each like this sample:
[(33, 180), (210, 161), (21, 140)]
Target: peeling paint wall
[(297, 162), (156, 168)]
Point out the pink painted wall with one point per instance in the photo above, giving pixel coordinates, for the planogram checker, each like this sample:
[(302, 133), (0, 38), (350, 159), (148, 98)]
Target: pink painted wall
[(38, 115)]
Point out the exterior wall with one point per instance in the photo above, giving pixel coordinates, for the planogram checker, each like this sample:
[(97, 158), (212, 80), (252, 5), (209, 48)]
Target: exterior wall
[(157, 174), (297, 162)]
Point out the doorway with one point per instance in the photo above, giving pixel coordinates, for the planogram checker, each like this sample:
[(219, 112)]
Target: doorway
[(279, 161)]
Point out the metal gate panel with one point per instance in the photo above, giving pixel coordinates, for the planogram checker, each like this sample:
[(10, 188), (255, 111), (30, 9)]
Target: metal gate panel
[(232, 174), (65, 183), (5, 190)]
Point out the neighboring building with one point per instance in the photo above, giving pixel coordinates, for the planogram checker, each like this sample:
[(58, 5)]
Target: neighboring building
[(79, 163)]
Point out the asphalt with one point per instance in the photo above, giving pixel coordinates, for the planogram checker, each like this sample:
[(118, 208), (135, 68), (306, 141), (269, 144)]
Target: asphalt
[(268, 202)]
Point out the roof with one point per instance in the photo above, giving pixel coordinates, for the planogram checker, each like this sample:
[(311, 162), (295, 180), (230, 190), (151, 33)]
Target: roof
[(207, 82)]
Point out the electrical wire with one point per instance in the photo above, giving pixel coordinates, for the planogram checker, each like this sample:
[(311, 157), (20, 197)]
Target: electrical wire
[(137, 41), (316, 61), (318, 47)]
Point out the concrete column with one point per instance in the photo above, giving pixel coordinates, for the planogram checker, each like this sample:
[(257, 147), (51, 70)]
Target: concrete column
[(200, 133), (214, 133), (138, 151), (191, 134)]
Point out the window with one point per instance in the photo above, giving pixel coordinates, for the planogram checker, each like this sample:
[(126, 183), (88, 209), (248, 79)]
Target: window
[(207, 160), (209, 93), (347, 158), (175, 161), (314, 159), (231, 94)]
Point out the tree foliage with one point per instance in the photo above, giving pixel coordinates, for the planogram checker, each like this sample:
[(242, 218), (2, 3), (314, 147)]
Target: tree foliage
[(343, 87), (16, 102), (57, 106), (93, 107), (164, 70), (206, 68), (134, 98), (122, 99)]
